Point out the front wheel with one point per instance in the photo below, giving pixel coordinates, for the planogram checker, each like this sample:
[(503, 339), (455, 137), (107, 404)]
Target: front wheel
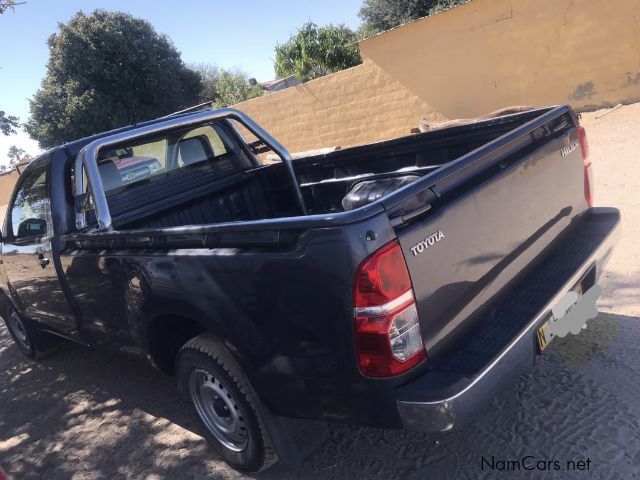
[(33, 343), (224, 404), (23, 335)]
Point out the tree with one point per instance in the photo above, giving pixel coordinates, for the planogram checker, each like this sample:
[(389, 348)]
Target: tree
[(8, 124), (209, 75), (106, 70), (16, 155), (224, 87), (234, 87), (382, 15), (8, 5), (316, 51)]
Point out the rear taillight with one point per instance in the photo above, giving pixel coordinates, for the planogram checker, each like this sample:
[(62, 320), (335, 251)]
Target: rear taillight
[(588, 173), (388, 336)]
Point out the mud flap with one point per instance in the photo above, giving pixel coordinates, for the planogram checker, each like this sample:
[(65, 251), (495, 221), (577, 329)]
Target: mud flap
[(294, 439)]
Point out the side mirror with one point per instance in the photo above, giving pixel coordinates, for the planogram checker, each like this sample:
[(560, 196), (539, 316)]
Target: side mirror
[(32, 227)]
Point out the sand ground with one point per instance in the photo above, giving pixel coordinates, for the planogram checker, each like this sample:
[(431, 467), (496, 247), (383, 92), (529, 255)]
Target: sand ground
[(92, 415)]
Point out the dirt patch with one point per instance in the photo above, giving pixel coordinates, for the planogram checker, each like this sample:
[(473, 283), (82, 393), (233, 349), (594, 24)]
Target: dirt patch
[(614, 142)]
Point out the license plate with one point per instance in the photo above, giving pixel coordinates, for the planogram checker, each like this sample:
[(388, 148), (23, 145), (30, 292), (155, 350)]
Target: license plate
[(544, 335), (569, 315)]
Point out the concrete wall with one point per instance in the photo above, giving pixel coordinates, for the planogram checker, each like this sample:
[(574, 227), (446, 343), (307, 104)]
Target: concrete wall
[(488, 54)]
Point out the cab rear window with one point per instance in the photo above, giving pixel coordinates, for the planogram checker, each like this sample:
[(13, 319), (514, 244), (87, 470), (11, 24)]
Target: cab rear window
[(136, 162)]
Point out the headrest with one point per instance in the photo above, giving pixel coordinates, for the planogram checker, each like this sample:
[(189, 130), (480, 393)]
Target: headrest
[(110, 175), (192, 150)]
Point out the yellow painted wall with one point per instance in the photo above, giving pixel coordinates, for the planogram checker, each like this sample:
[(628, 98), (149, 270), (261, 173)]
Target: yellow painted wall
[(489, 54), (466, 62), (7, 182), (355, 106)]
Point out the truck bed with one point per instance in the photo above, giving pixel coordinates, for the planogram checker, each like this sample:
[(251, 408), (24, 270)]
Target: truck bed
[(200, 196)]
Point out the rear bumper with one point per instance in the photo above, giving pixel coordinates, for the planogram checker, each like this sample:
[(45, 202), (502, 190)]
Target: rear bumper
[(456, 390)]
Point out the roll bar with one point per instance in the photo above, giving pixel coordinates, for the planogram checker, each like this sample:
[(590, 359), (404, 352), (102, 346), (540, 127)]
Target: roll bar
[(87, 159)]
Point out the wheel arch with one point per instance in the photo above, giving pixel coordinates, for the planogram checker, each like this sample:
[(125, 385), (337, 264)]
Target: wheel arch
[(6, 302), (166, 334)]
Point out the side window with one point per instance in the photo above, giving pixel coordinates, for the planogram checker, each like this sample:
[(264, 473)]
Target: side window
[(31, 205)]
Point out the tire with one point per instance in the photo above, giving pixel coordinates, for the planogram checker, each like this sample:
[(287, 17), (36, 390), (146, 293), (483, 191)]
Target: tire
[(224, 403), (32, 342)]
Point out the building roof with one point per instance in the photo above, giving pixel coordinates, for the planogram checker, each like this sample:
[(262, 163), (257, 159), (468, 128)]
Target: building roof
[(281, 83)]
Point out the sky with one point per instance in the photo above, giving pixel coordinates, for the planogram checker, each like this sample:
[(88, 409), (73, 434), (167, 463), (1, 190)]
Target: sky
[(222, 32)]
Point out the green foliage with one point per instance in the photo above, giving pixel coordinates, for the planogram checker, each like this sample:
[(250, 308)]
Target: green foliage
[(209, 75), (382, 15), (234, 87), (224, 87), (16, 154), (316, 51), (8, 5), (106, 70), (8, 124)]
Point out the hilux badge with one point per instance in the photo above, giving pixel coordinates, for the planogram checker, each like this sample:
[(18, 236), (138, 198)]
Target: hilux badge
[(570, 146), (430, 241)]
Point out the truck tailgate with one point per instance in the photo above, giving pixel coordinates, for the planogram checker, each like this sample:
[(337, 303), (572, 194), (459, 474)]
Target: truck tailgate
[(501, 347), (473, 227)]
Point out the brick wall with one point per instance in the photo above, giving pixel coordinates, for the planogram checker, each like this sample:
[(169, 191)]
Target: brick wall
[(355, 106)]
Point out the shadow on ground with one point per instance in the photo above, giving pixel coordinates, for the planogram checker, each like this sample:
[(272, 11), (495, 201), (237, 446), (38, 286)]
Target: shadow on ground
[(88, 414)]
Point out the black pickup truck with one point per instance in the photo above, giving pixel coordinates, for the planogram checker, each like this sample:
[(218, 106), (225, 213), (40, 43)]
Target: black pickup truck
[(401, 284)]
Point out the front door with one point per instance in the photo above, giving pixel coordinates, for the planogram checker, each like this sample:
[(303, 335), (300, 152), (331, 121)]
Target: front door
[(30, 268)]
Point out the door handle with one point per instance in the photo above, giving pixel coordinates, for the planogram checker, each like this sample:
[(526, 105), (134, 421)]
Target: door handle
[(42, 261)]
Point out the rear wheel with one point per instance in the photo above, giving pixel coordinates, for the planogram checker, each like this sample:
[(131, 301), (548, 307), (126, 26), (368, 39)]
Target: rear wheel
[(224, 403)]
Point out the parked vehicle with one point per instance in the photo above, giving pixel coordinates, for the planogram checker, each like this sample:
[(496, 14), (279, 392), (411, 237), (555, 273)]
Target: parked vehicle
[(133, 168), (401, 284)]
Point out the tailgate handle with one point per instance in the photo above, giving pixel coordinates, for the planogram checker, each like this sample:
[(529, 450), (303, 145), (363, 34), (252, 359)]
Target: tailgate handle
[(413, 207), (406, 217)]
